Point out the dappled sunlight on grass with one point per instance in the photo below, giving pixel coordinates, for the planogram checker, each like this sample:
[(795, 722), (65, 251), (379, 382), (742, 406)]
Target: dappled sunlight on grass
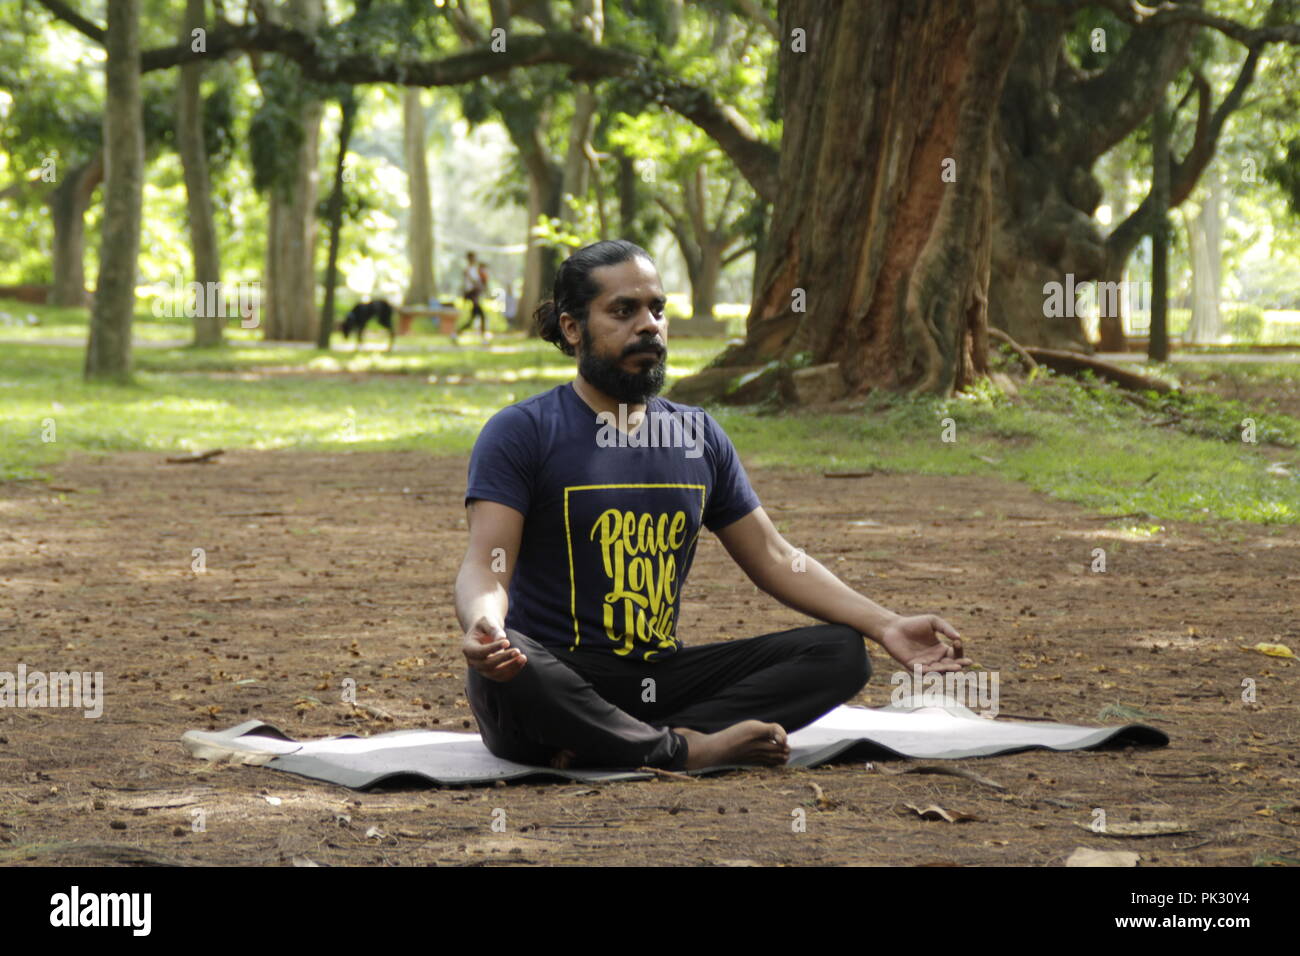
[(1094, 451), (1083, 443)]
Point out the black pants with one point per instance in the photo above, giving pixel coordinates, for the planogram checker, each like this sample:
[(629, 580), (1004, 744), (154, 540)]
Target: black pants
[(476, 312), (616, 713)]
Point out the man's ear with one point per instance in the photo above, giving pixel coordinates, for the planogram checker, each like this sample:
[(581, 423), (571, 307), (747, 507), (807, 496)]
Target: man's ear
[(570, 329)]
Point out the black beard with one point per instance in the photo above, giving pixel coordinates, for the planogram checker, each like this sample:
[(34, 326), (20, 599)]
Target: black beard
[(630, 388)]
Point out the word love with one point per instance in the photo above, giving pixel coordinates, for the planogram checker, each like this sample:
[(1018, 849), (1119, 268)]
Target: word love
[(639, 558)]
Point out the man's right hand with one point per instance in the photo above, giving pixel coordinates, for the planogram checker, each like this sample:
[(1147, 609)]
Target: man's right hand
[(488, 651)]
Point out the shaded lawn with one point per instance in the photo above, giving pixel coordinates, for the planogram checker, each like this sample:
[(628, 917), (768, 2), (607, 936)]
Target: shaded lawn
[(1153, 458)]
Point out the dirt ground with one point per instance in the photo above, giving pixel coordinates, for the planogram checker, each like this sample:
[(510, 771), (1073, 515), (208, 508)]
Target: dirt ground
[(321, 567)]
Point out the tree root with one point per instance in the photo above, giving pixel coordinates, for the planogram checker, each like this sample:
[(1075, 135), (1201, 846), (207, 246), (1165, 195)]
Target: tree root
[(1076, 363)]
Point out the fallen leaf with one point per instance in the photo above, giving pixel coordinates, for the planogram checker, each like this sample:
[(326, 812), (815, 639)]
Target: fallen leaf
[(1272, 650), (933, 812), (823, 802)]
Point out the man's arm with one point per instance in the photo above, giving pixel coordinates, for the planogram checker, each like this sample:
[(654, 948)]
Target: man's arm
[(482, 588), (770, 562)]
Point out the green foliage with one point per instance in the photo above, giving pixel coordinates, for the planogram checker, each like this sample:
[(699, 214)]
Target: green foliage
[(219, 117), (1285, 172), (1245, 322), (477, 100), (1079, 38), (580, 229), (275, 133)]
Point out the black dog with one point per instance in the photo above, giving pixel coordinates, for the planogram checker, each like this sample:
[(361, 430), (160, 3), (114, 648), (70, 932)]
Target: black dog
[(361, 314)]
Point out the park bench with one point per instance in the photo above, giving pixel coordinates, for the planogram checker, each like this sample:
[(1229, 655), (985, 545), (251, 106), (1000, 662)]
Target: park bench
[(446, 314)]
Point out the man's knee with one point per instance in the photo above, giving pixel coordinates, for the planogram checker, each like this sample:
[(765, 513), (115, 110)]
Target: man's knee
[(851, 661)]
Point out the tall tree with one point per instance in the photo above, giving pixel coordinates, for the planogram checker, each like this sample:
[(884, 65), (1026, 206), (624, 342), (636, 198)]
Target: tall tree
[(334, 214), (289, 294), (419, 234), (1158, 343), (1205, 241), (879, 250), (705, 237), (53, 129), (69, 202), (108, 352), (198, 184)]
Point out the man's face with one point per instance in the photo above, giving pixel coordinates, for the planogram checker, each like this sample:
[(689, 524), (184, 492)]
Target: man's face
[(623, 348)]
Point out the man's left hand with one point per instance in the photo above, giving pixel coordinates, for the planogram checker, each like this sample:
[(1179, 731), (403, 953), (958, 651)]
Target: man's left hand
[(916, 641)]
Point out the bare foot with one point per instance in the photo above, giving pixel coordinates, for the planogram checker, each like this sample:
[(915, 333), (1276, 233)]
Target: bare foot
[(562, 759), (748, 742)]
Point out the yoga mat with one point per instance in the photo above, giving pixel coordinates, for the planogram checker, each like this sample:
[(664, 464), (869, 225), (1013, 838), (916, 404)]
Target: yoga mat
[(442, 758)]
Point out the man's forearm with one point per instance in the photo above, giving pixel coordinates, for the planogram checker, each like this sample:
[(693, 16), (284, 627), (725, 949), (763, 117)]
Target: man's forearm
[(479, 593), (817, 592)]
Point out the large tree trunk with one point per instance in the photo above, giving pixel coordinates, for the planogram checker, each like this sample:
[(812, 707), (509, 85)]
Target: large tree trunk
[(290, 310), (874, 259), (68, 204), (198, 186), (1205, 232), (419, 237), (108, 352)]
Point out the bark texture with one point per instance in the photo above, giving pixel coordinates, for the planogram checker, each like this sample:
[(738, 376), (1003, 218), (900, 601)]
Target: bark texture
[(68, 204), (875, 259), (1055, 122), (198, 185), (289, 303), (1205, 232), (347, 118), (419, 238), (108, 352)]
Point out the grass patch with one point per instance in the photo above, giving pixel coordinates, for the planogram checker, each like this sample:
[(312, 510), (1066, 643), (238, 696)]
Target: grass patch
[(1160, 457), (424, 396), (1077, 441)]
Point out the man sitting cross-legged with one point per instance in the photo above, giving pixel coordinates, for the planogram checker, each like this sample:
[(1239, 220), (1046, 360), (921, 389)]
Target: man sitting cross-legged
[(585, 504)]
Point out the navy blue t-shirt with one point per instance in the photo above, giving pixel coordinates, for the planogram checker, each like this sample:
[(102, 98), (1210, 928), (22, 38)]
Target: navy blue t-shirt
[(609, 529)]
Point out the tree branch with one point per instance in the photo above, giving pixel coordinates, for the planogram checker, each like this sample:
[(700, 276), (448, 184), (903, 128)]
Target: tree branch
[(75, 20), (754, 12), (726, 203), (742, 251), (1184, 173), (20, 186), (1188, 170), (463, 23), (1106, 106), (1168, 13), (756, 160)]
